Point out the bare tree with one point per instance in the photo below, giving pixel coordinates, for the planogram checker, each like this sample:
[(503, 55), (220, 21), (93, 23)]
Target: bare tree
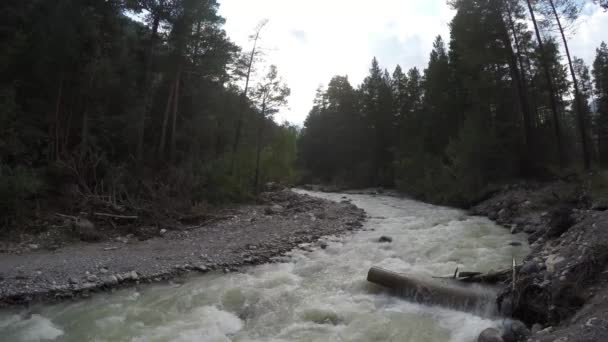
[(249, 66)]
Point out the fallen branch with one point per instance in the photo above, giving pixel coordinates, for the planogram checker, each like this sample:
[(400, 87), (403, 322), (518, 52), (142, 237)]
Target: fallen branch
[(123, 217), (70, 217)]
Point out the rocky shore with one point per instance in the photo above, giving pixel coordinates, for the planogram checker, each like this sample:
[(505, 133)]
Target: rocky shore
[(561, 290), (251, 235)]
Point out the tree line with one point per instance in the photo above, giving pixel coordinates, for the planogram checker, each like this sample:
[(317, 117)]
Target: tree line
[(499, 101), (134, 100)]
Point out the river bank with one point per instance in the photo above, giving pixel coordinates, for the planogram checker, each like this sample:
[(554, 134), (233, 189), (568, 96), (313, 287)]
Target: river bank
[(561, 291), (249, 235)]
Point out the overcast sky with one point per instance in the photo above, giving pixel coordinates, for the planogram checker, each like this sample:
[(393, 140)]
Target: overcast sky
[(310, 41)]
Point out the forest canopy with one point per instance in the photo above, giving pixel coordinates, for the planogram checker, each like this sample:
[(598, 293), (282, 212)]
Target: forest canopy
[(497, 101)]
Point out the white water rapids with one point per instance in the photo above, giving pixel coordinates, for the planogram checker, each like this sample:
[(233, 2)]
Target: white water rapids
[(321, 295)]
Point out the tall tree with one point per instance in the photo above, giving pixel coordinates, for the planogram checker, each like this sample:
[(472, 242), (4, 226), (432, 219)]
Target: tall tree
[(600, 76), (550, 85), (571, 9), (270, 94), (249, 64)]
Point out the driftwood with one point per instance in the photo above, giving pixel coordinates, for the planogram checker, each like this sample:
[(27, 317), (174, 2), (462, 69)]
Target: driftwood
[(122, 217), (444, 292), (491, 278)]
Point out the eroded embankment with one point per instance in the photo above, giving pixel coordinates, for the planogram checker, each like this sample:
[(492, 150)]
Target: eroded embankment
[(252, 235), (561, 292)]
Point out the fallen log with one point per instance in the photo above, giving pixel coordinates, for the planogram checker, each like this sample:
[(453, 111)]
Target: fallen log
[(123, 217), (443, 292)]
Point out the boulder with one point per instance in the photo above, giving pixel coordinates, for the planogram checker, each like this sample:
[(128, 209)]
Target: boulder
[(515, 331), (490, 335), (560, 220)]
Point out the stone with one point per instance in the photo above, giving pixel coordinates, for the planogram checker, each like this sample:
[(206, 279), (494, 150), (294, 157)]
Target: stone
[(163, 231), (530, 268), (560, 220), (552, 261), (113, 280), (490, 335), (273, 210), (201, 268), (33, 246), (385, 239), (536, 328), (515, 331), (324, 245), (92, 278), (103, 270), (73, 281)]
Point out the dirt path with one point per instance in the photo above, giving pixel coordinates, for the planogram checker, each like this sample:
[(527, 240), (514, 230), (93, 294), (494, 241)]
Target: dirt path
[(253, 235)]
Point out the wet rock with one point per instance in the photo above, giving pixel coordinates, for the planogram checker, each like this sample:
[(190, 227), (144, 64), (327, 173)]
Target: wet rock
[(73, 281), (103, 270), (323, 245), (33, 246), (163, 232), (92, 278), (113, 280), (385, 239), (530, 267), (201, 268), (490, 335), (515, 331)]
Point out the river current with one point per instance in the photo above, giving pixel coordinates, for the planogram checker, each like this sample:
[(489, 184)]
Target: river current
[(318, 295)]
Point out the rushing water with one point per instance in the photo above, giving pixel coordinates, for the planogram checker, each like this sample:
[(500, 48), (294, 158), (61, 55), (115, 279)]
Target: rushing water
[(312, 296)]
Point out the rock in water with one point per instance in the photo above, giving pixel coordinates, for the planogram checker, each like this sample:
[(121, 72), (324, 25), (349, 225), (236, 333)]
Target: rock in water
[(490, 335), (385, 239), (515, 331)]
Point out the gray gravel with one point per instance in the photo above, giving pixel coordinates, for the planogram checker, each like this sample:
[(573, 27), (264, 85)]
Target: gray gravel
[(254, 235)]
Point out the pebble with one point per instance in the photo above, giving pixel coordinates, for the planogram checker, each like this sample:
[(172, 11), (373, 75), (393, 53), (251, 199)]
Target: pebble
[(34, 246), (92, 278), (163, 231)]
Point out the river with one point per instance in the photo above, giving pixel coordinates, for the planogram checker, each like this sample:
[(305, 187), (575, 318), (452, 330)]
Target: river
[(309, 296)]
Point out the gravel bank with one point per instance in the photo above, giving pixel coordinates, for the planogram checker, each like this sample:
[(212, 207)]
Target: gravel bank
[(253, 235)]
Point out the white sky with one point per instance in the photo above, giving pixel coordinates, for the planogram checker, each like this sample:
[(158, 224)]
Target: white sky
[(310, 41)]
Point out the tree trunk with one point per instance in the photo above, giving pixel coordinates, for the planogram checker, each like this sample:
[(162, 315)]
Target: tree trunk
[(259, 149), (163, 131), (577, 94), (56, 140), (84, 135), (174, 117), (239, 123), (444, 292), (141, 129), (547, 71), (520, 84)]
